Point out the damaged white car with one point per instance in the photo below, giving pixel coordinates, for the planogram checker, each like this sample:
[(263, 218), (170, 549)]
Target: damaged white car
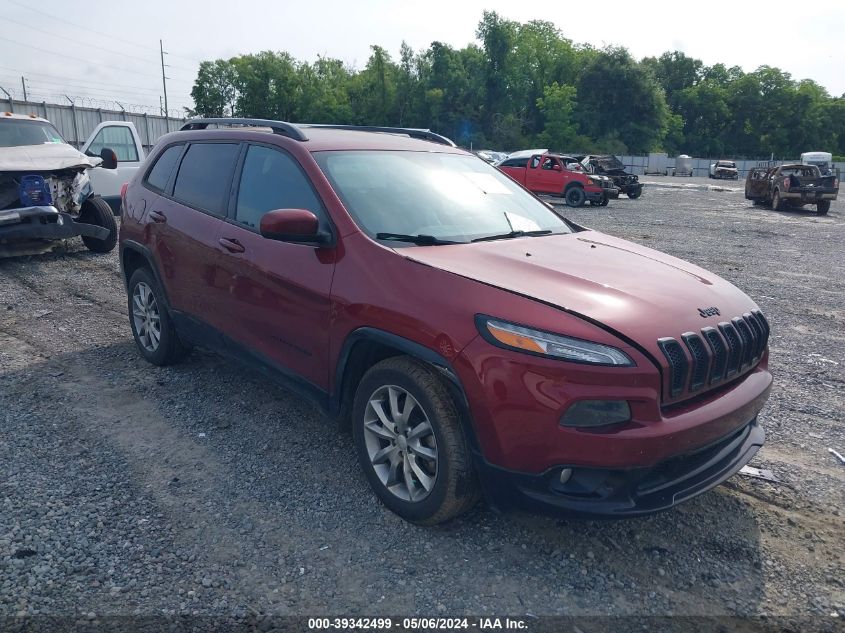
[(45, 193)]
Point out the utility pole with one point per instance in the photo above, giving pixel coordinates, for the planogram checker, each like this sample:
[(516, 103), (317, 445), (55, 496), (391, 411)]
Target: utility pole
[(23, 84), (163, 78)]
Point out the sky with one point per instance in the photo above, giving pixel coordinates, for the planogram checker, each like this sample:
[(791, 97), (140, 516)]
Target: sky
[(109, 51)]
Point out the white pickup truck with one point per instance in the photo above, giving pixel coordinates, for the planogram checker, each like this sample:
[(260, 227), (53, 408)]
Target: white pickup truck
[(122, 138), (50, 191)]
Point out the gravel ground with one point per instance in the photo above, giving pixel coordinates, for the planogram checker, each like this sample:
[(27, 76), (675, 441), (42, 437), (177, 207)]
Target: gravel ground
[(202, 489)]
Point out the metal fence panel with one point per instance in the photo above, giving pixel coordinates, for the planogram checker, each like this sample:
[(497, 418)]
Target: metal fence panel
[(76, 123)]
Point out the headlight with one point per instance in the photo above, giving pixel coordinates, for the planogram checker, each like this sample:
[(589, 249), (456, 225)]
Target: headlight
[(523, 339)]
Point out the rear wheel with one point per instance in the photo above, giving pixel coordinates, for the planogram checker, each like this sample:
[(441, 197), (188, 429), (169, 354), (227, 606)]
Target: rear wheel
[(410, 442), (152, 328), (575, 197), (635, 193), (822, 207), (96, 211), (777, 201)]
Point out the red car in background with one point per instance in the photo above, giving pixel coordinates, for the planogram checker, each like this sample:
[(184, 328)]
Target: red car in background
[(472, 338), (559, 175)]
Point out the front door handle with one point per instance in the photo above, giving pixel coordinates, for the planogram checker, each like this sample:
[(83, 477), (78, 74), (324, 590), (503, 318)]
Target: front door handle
[(233, 246), (158, 216)]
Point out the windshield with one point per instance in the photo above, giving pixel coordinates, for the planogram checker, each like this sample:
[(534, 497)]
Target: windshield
[(449, 197), (20, 132)]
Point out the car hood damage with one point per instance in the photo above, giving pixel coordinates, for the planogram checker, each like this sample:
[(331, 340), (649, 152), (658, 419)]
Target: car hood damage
[(48, 157), (626, 287)]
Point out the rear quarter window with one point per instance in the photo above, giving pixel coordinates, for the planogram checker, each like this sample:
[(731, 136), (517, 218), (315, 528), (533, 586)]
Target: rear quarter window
[(515, 162), (159, 174)]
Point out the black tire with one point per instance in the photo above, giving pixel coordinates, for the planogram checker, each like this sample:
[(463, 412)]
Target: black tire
[(777, 201), (97, 211), (822, 207), (575, 197), (604, 201), (635, 193), (455, 489), (169, 349)]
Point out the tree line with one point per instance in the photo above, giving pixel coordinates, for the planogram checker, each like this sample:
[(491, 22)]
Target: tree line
[(525, 84)]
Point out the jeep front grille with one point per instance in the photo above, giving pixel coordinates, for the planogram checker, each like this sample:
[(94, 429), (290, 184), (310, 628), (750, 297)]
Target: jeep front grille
[(714, 355)]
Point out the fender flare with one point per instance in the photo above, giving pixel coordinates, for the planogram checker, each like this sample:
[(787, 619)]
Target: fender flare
[(411, 348), (143, 251)]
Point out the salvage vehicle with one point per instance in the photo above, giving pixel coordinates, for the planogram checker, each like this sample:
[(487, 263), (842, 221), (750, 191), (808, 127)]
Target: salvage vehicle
[(724, 169), (476, 341), (45, 190), (123, 139), (488, 155), (791, 186), (559, 175), (610, 166), (822, 160)]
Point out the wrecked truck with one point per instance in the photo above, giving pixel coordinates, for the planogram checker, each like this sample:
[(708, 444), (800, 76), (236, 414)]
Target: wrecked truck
[(45, 191), (610, 166)]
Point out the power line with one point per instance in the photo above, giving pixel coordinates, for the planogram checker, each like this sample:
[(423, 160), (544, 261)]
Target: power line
[(85, 81), (88, 28), (66, 56), (65, 37)]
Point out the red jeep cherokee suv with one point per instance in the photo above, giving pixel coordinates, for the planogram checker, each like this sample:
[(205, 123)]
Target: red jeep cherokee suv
[(476, 341)]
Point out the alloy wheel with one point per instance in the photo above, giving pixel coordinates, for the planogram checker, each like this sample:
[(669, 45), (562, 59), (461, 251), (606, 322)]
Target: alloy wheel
[(400, 443), (146, 317)]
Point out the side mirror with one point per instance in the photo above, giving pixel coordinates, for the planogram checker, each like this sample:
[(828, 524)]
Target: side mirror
[(293, 225), (557, 167), (109, 158)]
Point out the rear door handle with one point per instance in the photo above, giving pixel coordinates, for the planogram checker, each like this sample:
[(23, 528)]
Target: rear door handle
[(233, 246), (158, 216)]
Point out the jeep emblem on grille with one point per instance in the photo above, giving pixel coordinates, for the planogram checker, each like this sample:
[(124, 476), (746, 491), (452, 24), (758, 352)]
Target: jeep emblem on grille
[(711, 311)]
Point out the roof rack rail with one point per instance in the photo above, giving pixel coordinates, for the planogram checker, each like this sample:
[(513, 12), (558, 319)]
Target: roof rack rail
[(418, 133), (279, 127)]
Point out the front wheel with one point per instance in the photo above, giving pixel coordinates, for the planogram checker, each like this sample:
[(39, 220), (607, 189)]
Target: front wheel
[(822, 207), (777, 201), (575, 197), (635, 193), (410, 442), (96, 211)]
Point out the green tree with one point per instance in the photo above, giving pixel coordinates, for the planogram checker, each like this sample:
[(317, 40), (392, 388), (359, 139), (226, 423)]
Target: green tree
[(214, 91), (619, 101), (556, 106)]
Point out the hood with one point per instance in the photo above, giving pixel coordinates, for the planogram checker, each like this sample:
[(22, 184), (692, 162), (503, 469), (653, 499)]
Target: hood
[(45, 157), (641, 293)]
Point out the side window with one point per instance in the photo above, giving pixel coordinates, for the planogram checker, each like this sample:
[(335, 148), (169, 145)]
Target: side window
[(535, 160), (160, 173), (204, 176), (549, 163), (118, 138), (272, 180)]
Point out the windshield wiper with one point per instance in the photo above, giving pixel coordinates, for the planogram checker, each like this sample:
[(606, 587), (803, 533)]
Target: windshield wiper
[(505, 236), (421, 240)]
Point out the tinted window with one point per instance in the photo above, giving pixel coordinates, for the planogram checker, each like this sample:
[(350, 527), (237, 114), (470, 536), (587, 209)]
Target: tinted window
[(204, 176), (272, 180), (516, 162), (117, 138), (160, 173)]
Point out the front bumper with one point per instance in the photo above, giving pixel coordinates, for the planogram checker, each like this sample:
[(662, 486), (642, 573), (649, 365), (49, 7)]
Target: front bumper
[(598, 194), (44, 223), (617, 493)]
